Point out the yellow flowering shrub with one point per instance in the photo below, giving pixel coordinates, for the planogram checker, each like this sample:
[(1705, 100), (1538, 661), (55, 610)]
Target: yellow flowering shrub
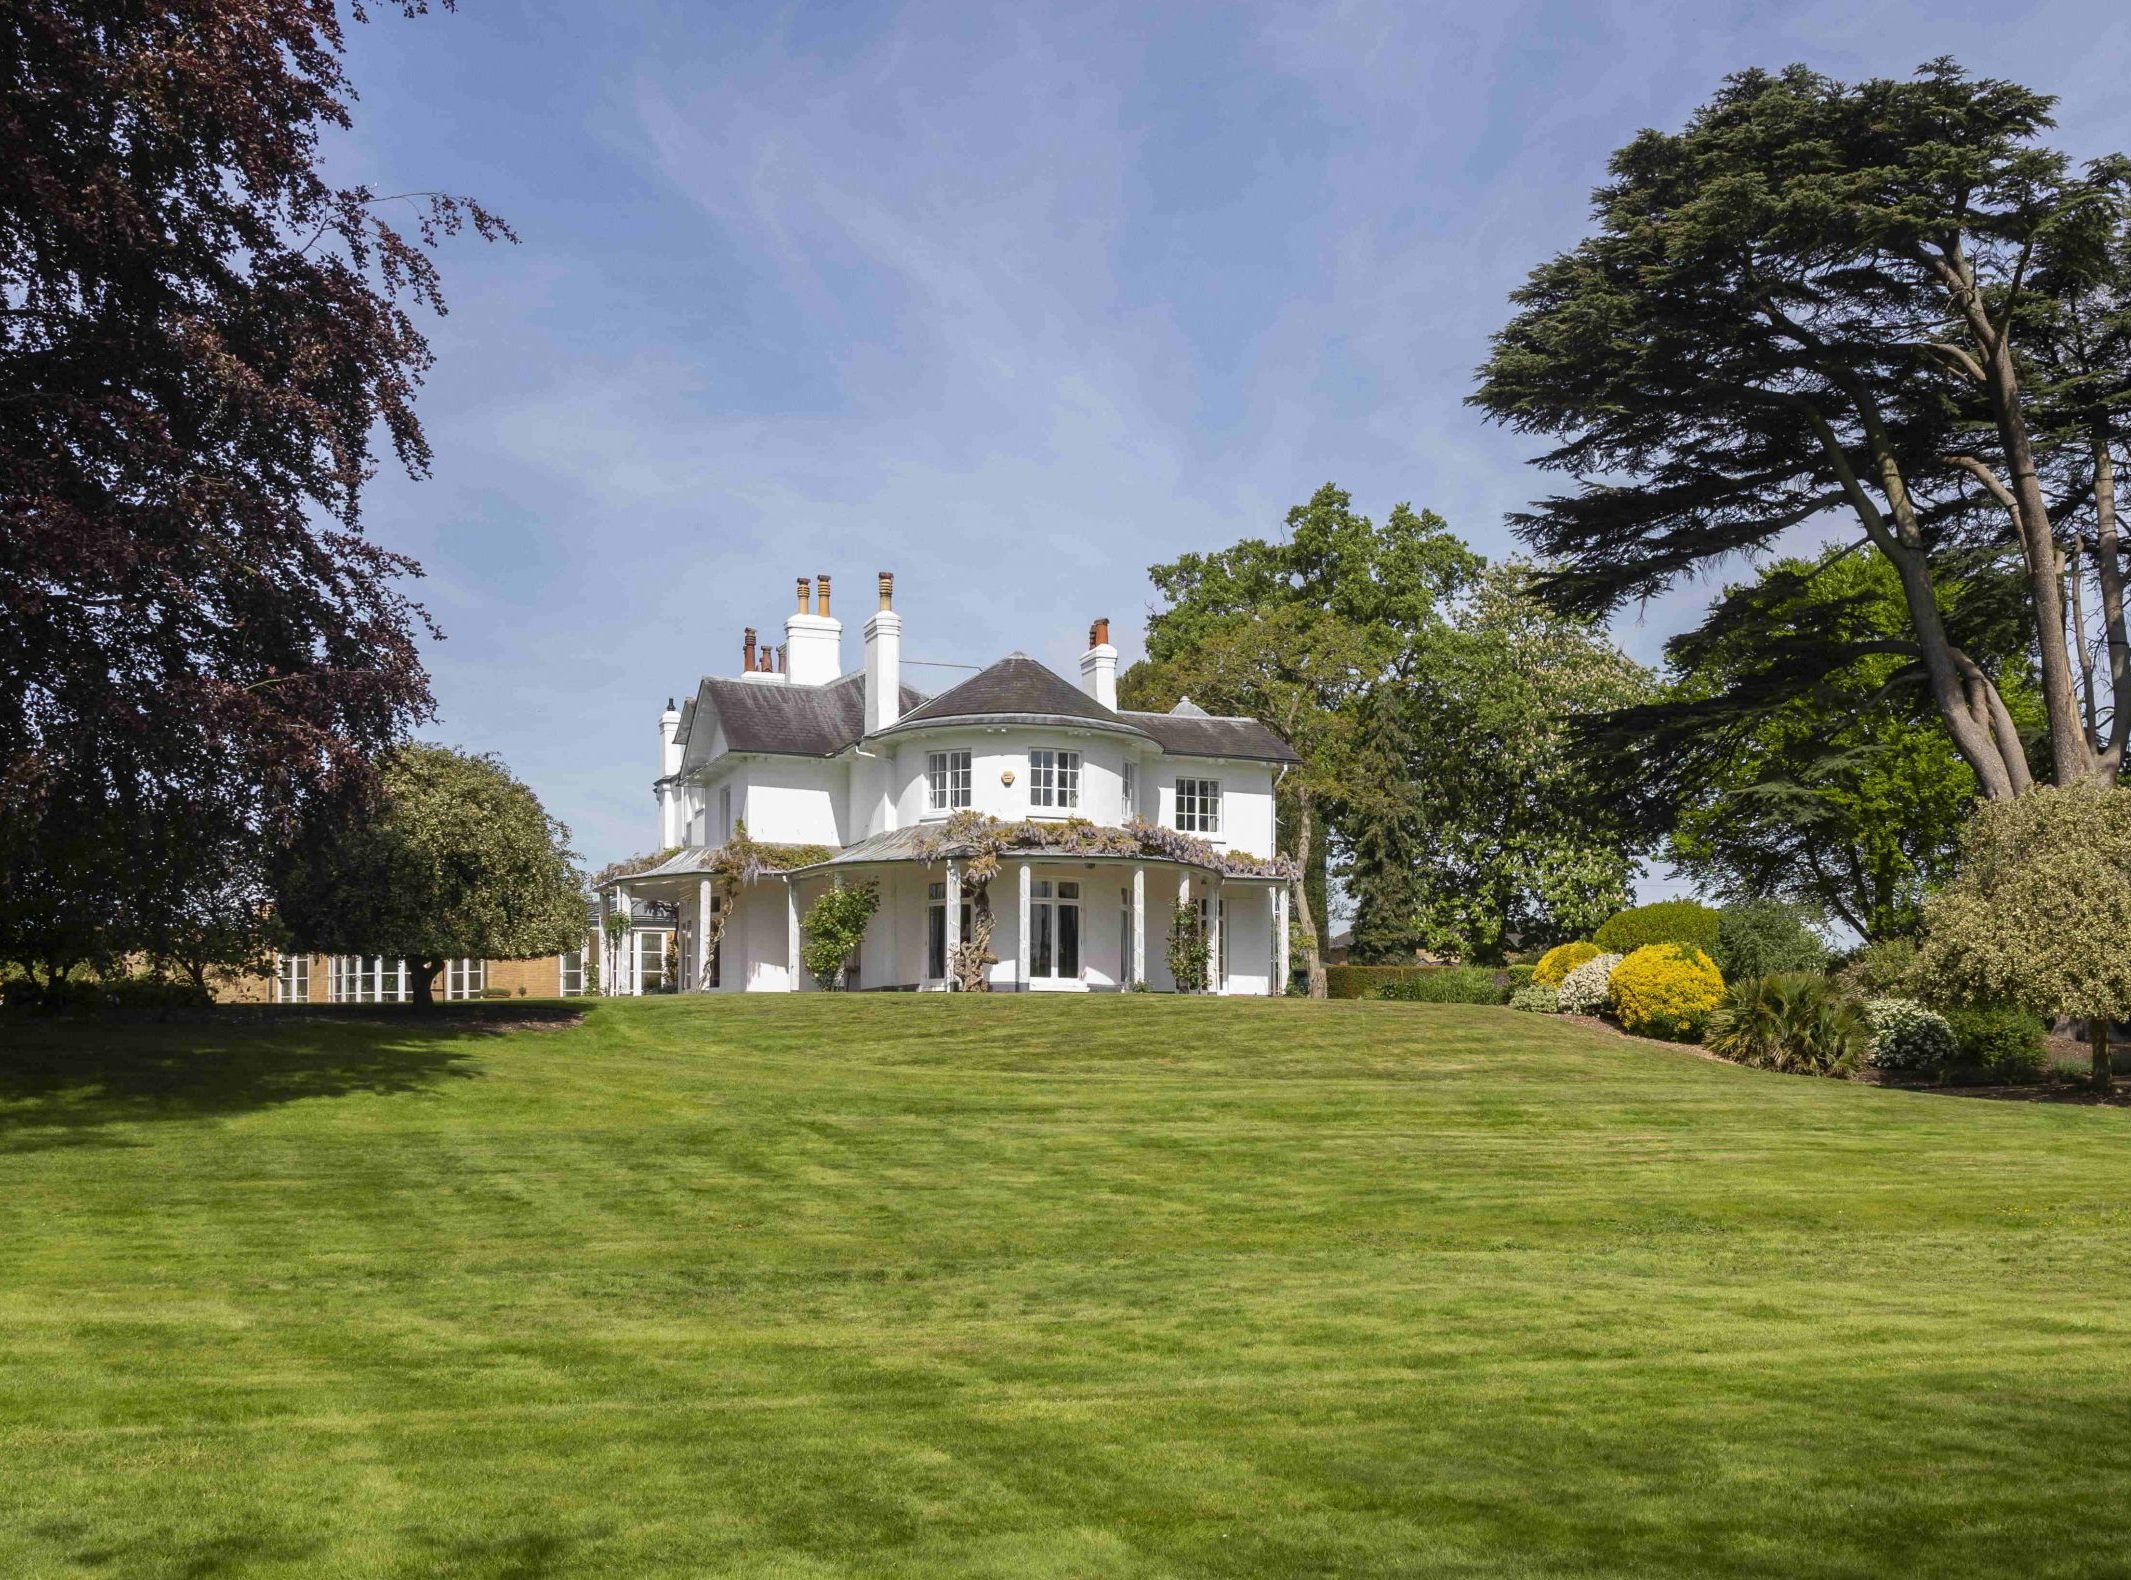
[(1666, 990), (1560, 960)]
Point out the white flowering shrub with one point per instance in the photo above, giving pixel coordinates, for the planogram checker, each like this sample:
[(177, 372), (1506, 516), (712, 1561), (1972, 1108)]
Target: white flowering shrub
[(1588, 990), (1907, 1036)]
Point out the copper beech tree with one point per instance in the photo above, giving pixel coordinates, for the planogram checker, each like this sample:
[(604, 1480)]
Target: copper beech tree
[(1885, 307), (204, 344)]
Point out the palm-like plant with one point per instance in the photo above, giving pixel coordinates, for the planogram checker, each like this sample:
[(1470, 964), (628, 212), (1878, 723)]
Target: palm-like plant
[(1795, 1021)]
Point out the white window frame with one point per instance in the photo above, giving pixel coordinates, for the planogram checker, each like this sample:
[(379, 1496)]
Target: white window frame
[(725, 814), (1198, 806), (651, 971), (466, 978), (948, 781), (1054, 779), (572, 980), (1048, 899), (292, 979), (366, 979), (1128, 791)]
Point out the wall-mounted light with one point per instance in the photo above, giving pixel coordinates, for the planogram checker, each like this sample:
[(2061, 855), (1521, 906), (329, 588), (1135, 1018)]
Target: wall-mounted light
[(1006, 776)]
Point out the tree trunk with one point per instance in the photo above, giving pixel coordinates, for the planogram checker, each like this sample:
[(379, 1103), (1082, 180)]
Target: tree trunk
[(422, 977), (1304, 830), (2071, 759), (1999, 761), (2074, 575), (2098, 1040), (2109, 572)]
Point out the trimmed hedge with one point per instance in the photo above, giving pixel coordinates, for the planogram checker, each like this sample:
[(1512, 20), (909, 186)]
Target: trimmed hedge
[(1666, 922), (1419, 984)]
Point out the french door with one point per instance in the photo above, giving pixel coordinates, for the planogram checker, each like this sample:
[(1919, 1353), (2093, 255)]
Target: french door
[(1054, 931)]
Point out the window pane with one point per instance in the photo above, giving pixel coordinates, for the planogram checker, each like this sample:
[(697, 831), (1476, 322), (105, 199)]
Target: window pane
[(1069, 940), (1040, 941), (936, 940), (1069, 891), (1069, 779)]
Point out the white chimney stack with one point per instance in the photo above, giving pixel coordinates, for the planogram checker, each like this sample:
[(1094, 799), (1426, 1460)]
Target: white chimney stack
[(884, 661), (813, 643), (669, 747), (1098, 666)]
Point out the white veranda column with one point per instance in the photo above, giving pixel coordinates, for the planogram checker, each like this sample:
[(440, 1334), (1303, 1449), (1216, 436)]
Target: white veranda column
[(791, 934), (1214, 980), (1139, 924), (1280, 957), (1021, 944), (954, 919), (703, 921), (1275, 981), (627, 963)]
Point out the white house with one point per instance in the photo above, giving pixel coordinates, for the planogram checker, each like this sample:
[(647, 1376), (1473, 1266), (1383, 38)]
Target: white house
[(804, 753)]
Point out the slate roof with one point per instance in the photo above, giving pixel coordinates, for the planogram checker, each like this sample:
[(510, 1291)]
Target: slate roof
[(1198, 734), (1017, 689), (781, 719), (785, 720)]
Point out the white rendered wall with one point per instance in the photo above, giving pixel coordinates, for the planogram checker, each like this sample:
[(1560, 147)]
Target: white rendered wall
[(796, 800)]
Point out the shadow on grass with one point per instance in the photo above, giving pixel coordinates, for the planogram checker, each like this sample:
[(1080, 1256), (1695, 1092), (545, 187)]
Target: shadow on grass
[(63, 1085)]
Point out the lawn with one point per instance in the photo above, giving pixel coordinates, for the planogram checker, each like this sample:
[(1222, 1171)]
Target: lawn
[(1030, 1287)]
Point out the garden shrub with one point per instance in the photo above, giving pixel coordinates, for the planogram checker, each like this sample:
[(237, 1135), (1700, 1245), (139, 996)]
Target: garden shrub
[(1881, 970), (2002, 1043), (1536, 998), (1447, 985), (1560, 960), (1588, 989), (1797, 1021), (832, 927), (1517, 976), (1666, 922), (1666, 990), (1372, 981), (1907, 1036), (1765, 937)]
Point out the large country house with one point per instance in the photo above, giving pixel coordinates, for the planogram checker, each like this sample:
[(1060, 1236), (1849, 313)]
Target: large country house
[(1078, 827)]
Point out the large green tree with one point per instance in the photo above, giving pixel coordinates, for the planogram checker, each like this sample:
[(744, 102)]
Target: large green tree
[(448, 857), (1473, 825), (1297, 632), (1828, 302), (1796, 754)]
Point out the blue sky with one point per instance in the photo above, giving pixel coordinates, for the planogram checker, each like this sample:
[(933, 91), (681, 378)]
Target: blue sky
[(1011, 300)]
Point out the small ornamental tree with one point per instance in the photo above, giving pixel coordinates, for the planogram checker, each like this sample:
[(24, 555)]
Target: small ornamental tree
[(2039, 912), (1190, 951), (833, 926), (448, 857)]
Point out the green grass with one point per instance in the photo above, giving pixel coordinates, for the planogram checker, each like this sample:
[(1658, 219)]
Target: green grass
[(1124, 1287)]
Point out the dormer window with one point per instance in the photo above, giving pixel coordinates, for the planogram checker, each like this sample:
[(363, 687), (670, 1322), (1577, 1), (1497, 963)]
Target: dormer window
[(946, 781), (1054, 779), (1198, 806)]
